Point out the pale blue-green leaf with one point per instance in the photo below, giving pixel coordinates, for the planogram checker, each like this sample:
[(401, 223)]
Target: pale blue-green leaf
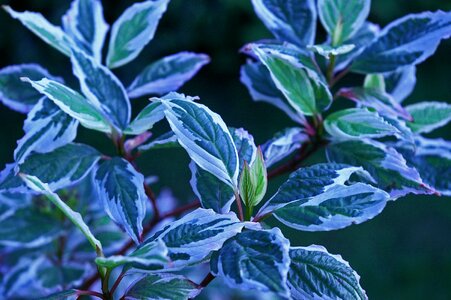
[(167, 74), (192, 238), (338, 207), (404, 133), (49, 33), (166, 140), (289, 20), (60, 168), (162, 287), (428, 116), (283, 144), (212, 192), (327, 51), (16, 94), (400, 84), (407, 41), (64, 295), (73, 104), (245, 145), (205, 137), (309, 96), (317, 274), (85, 24), (342, 18), (382, 102), (432, 159), (35, 184), (357, 123), (309, 182), (365, 35), (258, 81), (102, 88), (374, 81), (254, 260), (151, 114), (153, 255), (133, 30), (46, 128), (28, 227), (384, 163), (121, 190)]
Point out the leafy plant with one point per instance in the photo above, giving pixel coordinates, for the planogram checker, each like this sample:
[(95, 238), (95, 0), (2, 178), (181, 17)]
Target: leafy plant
[(126, 238)]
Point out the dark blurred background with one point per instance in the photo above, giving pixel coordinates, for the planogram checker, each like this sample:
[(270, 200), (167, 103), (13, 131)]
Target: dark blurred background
[(404, 253)]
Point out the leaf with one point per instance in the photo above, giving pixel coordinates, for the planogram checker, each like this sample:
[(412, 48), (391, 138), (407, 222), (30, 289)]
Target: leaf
[(192, 238), (52, 277), (133, 30), (364, 36), (338, 207), (151, 256), (71, 294), (428, 116), (16, 94), (374, 81), (317, 274), (167, 74), (46, 128), (258, 81), (292, 21), (205, 137), (384, 163), (400, 84), (149, 116), (254, 260), (341, 18), (309, 96), (357, 123), (166, 140), (162, 287), (35, 184), (253, 181), (102, 88), (245, 145), (49, 33), (85, 24), (309, 182), (328, 51), (432, 159), (73, 104), (404, 42), (60, 168), (212, 192), (382, 102), (121, 190), (28, 227), (283, 144)]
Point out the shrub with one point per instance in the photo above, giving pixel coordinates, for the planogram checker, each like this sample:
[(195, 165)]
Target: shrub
[(73, 216)]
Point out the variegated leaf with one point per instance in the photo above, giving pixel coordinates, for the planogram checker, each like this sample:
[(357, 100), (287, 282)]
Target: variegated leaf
[(205, 137), (133, 30), (15, 93), (102, 88), (167, 74), (192, 238), (254, 260), (428, 116), (317, 274), (85, 24), (121, 190)]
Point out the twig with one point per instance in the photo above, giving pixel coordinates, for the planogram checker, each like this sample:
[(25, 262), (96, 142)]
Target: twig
[(338, 77), (240, 206), (116, 283)]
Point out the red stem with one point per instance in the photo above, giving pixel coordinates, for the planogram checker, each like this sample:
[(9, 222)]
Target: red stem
[(89, 293)]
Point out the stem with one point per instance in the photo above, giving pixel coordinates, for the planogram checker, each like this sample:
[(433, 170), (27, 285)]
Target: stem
[(240, 206), (209, 278), (153, 200), (338, 77), (89, 293), (105, 281), (330, 69), (118, 280), (249, 211)]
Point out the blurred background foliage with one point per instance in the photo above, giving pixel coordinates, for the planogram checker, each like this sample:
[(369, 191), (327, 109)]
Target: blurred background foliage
[(404, 253)]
